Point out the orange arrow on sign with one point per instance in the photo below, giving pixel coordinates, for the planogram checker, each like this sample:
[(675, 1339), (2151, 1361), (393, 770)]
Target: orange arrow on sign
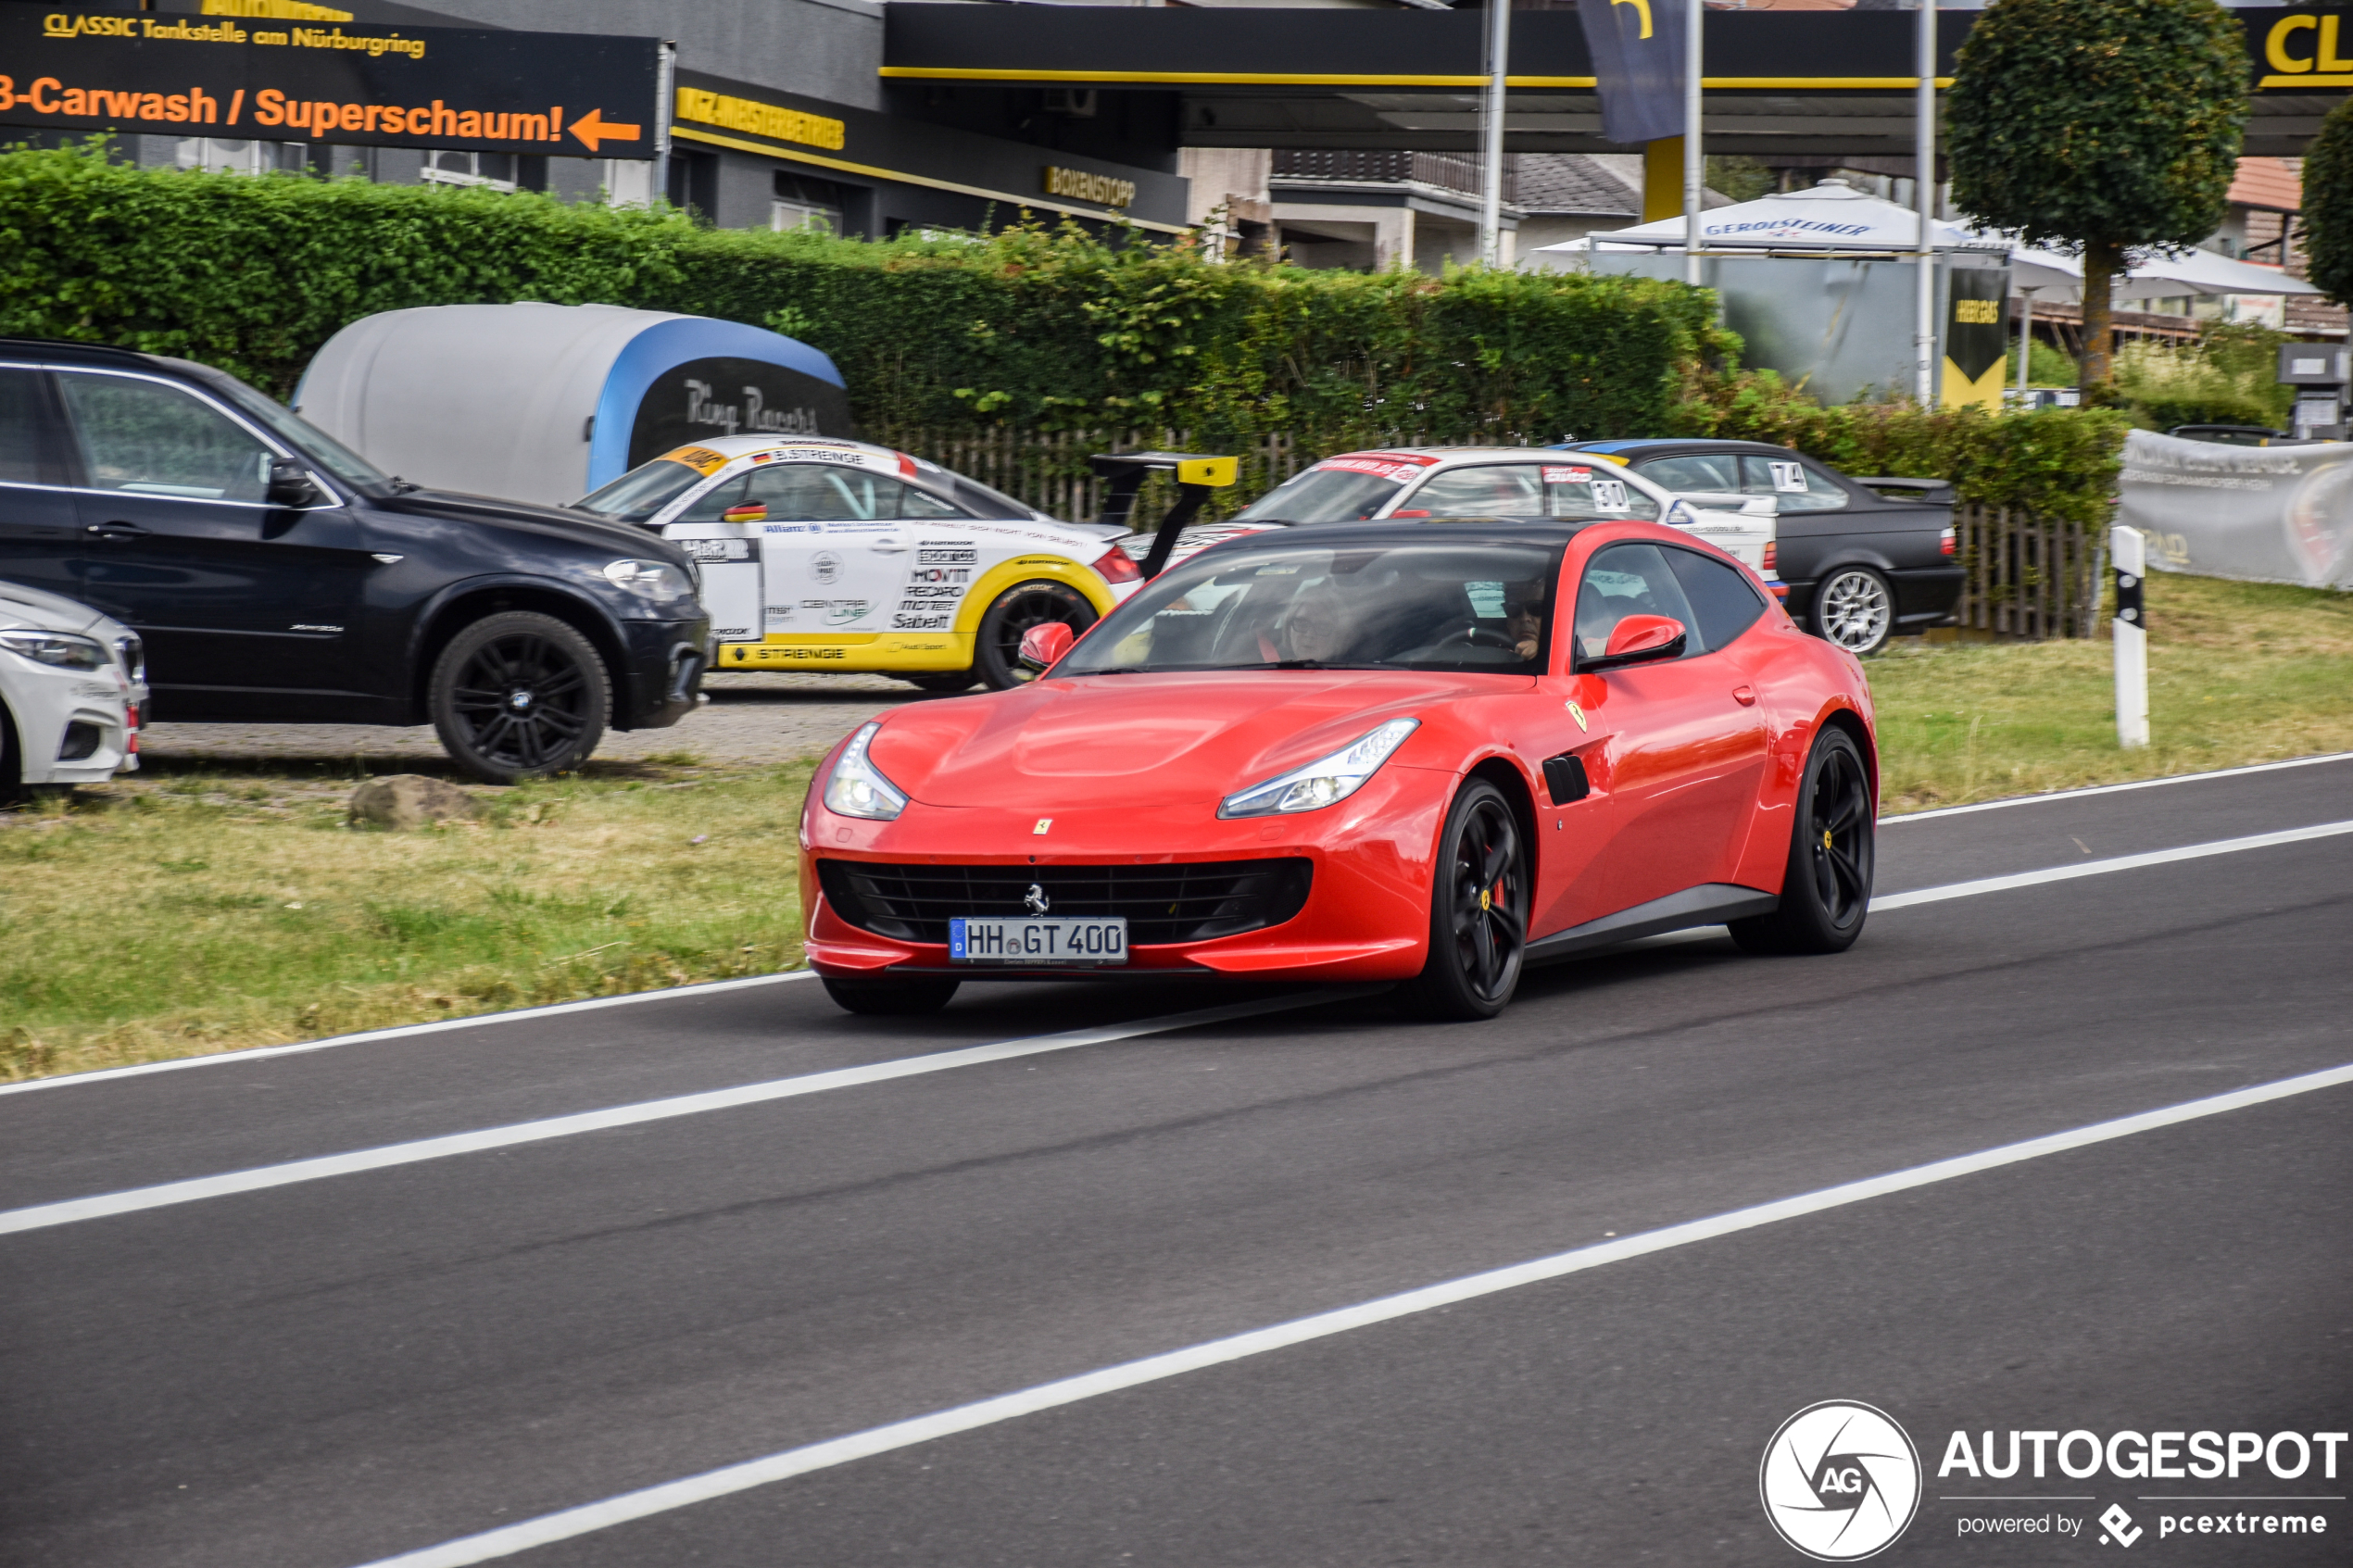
[(592, 127)]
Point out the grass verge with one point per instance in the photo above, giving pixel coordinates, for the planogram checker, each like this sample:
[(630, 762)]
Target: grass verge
[(185, 910), (2238, 673), (180, 912)]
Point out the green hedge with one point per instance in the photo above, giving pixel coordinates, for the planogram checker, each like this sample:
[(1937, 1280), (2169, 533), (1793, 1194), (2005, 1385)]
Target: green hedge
[(2061, 463), (1033, 329), (1039, 327)]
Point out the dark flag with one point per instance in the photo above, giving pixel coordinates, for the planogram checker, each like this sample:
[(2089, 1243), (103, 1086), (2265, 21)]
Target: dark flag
[(1637, 56)]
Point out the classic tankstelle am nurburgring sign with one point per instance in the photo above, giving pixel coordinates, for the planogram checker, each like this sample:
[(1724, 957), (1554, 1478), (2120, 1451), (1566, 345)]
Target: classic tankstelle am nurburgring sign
[(564, 95)]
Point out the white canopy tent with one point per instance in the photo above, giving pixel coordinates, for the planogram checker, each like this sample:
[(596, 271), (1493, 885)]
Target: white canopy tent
[(1835, 218)]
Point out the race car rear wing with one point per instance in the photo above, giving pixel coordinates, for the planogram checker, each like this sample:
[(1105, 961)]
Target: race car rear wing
[(1196, 476)]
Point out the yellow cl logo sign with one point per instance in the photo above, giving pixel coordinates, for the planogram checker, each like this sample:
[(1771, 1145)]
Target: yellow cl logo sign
[(2322, 60)]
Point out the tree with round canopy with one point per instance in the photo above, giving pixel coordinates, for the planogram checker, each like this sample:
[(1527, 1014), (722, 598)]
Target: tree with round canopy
[(2327, 227), (2103, 126)]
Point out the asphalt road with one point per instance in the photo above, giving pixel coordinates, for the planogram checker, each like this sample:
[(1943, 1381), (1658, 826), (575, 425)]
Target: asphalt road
[(336, 1371)]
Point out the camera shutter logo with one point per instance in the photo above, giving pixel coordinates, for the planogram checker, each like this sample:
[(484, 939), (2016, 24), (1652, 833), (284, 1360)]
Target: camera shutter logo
[(1839, 1481)]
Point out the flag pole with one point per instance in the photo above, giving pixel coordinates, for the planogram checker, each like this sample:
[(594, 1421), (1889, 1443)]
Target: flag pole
[(1490, 204), (1924, 198), (1694, 154)]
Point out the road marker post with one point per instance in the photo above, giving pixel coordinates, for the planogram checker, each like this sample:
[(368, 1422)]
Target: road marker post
[(2129, 553)]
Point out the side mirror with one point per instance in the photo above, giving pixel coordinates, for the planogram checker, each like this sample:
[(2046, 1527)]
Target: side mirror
[(1641, 639), (1042, 646), (289, 485)]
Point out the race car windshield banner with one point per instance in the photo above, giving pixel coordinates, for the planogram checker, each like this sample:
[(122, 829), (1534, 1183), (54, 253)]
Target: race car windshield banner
[(1638, 62), (569, 95)]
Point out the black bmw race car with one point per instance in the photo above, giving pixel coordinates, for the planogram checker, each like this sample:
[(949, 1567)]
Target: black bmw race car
[(1861, 566)]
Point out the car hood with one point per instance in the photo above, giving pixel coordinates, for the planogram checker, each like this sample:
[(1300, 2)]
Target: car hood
[(583, 529), (1148, 740), (33, 609)]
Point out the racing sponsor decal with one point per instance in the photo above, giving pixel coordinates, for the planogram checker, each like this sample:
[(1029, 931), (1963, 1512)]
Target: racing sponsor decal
[(840, 612), (1567, 475), (928, 599), (929, 553), (824, 566), (714, 550), (702, 459), (776, 612), (728, 633), (786, 654), (1400, 470)]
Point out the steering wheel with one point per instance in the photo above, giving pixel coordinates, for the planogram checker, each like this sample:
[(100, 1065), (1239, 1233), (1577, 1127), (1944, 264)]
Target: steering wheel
[(1479, 637)]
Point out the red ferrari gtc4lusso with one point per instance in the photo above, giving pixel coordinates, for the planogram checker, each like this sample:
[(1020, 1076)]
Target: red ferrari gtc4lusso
[(1432, 753)]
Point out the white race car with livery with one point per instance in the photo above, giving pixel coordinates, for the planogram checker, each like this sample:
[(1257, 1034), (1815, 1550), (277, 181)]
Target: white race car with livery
[(839, 556), (1488, 482)]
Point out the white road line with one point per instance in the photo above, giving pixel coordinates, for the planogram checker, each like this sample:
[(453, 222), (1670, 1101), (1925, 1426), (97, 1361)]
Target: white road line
[(550, 1527), (2114, 788), (260, 1053), (193, 1191), (229, 1183), (2100, 868)]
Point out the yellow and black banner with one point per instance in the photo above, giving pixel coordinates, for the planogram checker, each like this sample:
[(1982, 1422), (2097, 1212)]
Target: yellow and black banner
[(566, 95)]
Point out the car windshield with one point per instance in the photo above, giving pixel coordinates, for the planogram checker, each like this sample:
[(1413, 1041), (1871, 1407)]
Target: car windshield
[(1439, 604), (301, 435), (1343, 490), (637, 495)]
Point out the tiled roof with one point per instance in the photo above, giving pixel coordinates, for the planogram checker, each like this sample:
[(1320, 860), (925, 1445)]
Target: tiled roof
[(2268, 183), (1577, 183)]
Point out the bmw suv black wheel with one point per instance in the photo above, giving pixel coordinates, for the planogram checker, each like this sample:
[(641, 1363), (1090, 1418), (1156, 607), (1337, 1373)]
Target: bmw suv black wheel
[(520, 695)]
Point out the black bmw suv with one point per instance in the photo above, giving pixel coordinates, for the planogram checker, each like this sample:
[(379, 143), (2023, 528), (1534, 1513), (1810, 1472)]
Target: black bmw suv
[(277, 577)]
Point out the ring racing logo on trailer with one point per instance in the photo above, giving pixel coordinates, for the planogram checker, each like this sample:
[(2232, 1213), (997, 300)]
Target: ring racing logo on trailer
[(1839, 1481)]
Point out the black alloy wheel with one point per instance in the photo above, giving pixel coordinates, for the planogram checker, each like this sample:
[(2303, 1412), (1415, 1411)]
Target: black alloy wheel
[(890, 998), (1826, 891), (997, 650), (1854, 607), (520, 695), (1478, 912)]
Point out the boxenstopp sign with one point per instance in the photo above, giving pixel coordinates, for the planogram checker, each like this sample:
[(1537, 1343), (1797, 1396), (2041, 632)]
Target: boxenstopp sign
[(562, 93)]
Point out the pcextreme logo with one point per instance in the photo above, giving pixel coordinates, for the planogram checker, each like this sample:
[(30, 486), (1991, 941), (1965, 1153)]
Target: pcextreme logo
[(1839, 1481)]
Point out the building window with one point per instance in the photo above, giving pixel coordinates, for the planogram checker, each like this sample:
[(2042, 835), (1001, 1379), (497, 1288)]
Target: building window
[(803, 203), (239, 157), (494, 170)]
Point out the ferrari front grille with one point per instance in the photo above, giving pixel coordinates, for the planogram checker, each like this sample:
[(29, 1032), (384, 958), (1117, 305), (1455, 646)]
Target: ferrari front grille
[(1188, 902)]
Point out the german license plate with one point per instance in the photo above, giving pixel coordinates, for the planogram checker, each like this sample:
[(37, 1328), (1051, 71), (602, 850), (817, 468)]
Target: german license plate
[(1038, 941)]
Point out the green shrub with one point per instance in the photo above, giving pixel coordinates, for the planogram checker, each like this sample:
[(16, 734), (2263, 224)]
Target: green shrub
[(2060, 462), (1039, 328)]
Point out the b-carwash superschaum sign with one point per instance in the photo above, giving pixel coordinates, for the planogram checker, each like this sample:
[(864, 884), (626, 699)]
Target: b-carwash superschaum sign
[(565, 94)]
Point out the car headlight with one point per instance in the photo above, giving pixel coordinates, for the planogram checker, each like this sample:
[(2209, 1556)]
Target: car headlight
[(59, 650), (654, 579), (1321, 782), (857, 789)]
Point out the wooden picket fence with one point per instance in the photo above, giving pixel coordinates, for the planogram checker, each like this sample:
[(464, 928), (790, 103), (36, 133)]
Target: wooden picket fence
[(2028, 577)]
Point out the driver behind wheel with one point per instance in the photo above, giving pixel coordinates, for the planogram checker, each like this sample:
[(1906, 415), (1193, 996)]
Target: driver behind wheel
[(1315, 627), (1523, 614)]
